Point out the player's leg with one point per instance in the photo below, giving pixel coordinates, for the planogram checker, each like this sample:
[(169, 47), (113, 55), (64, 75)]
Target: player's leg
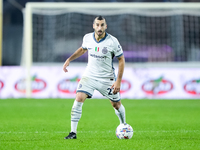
[(104, 89), (76, 113), (77, 110), (119, 111), (84, 90)]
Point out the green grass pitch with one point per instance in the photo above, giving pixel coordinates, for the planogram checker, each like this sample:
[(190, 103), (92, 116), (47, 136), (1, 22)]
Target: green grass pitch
[(42, 124)]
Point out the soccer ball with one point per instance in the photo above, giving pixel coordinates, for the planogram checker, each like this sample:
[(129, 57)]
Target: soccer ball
[(124, 131)]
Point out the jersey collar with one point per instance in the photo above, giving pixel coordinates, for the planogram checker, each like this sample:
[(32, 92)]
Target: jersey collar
[(101, 39)]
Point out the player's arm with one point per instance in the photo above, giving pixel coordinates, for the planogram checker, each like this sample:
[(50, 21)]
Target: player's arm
[(79, 52), (117, 83)]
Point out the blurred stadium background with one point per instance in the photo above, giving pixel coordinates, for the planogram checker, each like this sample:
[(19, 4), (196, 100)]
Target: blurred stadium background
[(162, 51), (166, 39), (186, 30)]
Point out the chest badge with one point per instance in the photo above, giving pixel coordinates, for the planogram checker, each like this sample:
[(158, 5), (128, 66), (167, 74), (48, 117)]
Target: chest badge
[(104, 50)]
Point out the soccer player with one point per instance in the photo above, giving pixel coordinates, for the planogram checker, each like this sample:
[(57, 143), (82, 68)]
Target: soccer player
[(99, 74)]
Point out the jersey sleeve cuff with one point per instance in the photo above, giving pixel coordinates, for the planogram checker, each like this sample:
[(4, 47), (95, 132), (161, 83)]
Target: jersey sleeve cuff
[(84, 48), (120, 55)]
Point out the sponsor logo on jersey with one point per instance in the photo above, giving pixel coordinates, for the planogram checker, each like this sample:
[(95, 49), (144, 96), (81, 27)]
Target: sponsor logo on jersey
[(68, 86), (104, 50), (37, 85), (89, 48), (1, 84), (97, 56), (192, 87), (157, 86), (97, 49)]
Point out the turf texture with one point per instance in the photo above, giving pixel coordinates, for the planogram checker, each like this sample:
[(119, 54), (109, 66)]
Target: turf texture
[(42, 124)]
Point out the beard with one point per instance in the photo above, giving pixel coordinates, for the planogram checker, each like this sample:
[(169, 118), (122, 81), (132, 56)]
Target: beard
[(100, 32)]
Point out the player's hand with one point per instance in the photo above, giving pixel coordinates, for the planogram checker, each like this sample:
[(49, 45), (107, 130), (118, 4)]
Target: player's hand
[(116, 87), (65, 65)]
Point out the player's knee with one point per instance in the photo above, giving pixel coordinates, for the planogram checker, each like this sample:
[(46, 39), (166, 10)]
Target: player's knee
[(80, 97), (116, 105)]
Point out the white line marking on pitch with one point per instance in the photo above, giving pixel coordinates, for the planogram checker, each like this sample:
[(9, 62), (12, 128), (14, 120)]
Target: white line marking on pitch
[(46, 132)]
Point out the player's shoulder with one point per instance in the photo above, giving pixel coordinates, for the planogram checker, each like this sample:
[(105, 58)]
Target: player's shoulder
[(88, 35), (112, 38)]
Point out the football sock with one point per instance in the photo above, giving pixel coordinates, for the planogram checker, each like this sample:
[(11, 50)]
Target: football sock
[(121, 114), (76, 115)]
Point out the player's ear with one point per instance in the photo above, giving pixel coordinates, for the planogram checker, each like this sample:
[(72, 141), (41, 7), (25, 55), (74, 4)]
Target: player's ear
[(93, 25)]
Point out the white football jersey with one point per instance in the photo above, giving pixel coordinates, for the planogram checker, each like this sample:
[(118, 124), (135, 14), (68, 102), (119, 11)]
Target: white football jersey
[(100, 56)]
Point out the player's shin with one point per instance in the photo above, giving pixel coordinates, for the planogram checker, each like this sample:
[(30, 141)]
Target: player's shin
[(121, 114), (76, 115)]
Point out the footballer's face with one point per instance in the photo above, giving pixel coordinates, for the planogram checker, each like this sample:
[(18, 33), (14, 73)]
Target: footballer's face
[(99, 27)]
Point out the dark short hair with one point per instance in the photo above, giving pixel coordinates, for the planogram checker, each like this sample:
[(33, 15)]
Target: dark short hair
[(99, 18)]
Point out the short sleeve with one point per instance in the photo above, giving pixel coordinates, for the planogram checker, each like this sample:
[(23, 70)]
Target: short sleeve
[(84, 44), (117, 49)]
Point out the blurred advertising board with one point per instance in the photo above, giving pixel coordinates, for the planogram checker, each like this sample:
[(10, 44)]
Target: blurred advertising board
[(137, 83)]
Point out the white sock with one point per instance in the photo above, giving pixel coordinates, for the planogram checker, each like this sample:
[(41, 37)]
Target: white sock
[(76, 115), (121, 114)]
